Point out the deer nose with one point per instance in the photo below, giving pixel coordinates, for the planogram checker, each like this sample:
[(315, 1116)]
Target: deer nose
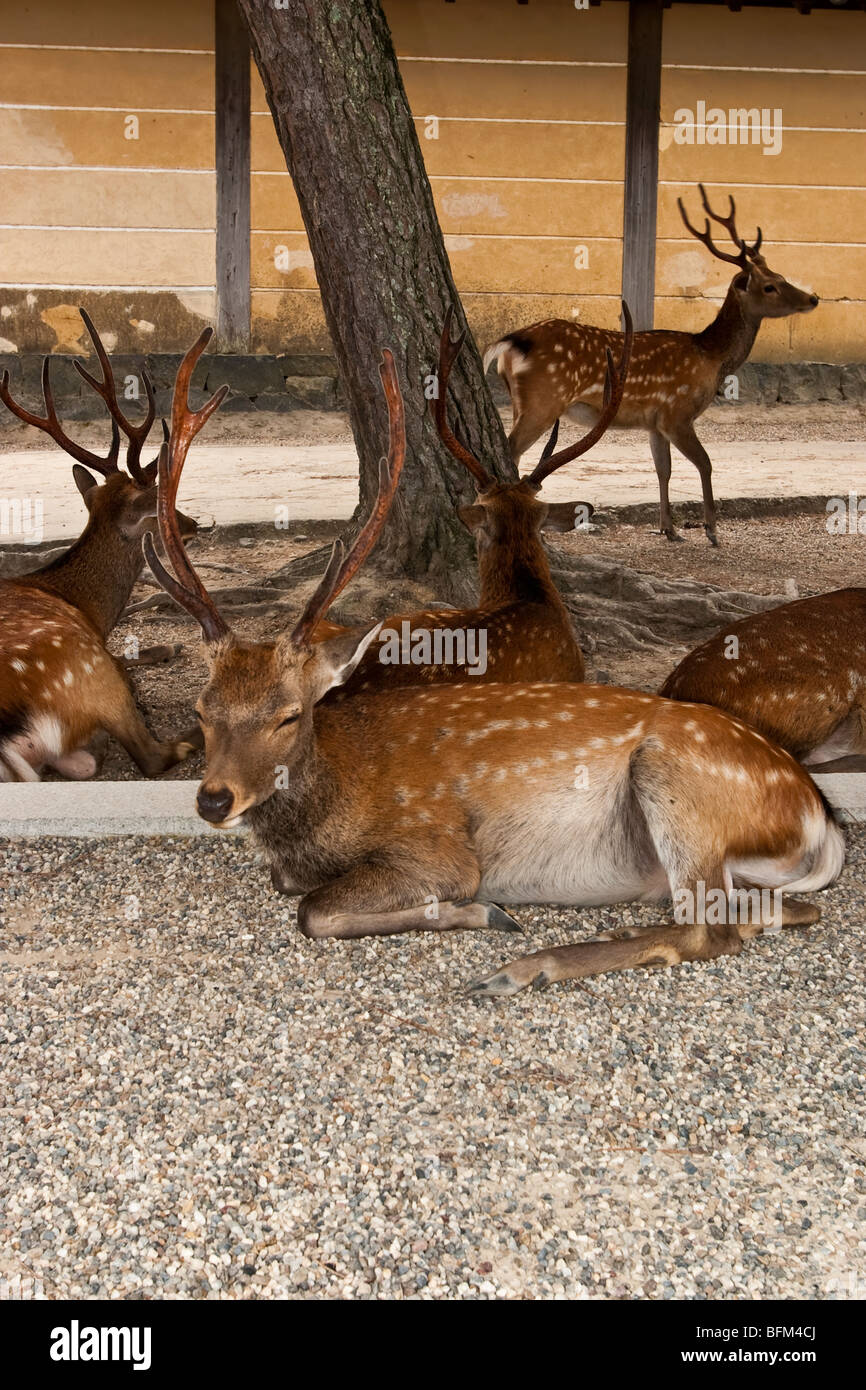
[(813, 299), (214, 805)]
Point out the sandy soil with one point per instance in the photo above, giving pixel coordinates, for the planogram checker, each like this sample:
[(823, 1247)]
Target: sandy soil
[(253, 468), (823, 420)]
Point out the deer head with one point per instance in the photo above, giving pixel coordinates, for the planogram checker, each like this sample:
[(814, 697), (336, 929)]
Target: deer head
[(760, 291), (513, 513), (256, 711), (125, 502)]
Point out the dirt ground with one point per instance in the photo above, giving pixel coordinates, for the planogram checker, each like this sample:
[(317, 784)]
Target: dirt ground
[(822, 420)]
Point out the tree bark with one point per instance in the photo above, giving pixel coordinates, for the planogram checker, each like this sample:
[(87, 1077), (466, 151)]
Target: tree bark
[(344, 124)]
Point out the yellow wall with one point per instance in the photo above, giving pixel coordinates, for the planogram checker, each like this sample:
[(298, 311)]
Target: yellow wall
[(125, 227), (526, 167), (809, 199)]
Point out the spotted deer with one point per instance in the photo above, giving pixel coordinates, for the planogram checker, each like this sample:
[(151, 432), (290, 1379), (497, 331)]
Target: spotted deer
[(797, 673), (557, 366), (59, 685), (527, 630), (414, 809)]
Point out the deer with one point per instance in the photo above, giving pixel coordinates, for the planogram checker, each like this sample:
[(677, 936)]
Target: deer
[(797, 673), (528, 632), (59, 685), (557, 366), (424, 809)]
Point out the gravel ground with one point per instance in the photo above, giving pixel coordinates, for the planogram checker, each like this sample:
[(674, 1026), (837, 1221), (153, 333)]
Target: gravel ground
[(200, 1103)]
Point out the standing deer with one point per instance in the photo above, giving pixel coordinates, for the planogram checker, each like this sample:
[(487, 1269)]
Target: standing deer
[(797, 673), (59, 685), (528, 632), (557, 367), (417, 809)]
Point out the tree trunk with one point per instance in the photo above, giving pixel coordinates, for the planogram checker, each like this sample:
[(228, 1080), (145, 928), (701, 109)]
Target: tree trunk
[(344, 124)]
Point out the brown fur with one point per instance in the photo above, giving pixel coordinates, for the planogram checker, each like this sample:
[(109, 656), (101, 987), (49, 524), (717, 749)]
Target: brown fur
[(799, 677), (409, 797), (556, 365), (54, 664), (529, 632)]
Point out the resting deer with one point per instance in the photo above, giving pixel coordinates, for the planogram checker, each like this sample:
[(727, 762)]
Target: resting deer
[(797, 673), (419, 809), (59, 685), (557, 367), (527, 630)]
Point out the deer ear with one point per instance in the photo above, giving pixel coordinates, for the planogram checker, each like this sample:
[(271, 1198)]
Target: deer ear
[(84, 481), (139, 515), (472, 517), (567, 516), (333, 661)]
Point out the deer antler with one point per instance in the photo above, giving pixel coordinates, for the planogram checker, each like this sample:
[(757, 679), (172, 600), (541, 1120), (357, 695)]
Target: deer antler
[(448, 353), (745, 252), (135, 434), (50, 425), (342, 567), (187, 589), (614, 385)]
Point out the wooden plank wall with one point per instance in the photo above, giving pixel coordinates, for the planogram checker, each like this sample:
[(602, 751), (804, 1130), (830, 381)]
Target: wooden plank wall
[(124, 226), (526, 166)]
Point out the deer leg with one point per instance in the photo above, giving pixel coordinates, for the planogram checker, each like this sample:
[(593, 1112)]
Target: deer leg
[(154, 656), (661, 451), (368, 901), (665, 945), (121, 718), (844, 750), (795, 913), (688, 443), (529, 425)]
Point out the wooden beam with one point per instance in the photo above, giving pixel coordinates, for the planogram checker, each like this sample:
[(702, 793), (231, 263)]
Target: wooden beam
[(643, 95), (232, 97)]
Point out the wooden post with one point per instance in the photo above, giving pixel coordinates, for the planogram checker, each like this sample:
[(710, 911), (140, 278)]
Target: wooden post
[(643, 96), (232, 132)]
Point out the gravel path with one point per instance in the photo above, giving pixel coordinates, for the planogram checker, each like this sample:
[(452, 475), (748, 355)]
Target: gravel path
[(197, 1102)]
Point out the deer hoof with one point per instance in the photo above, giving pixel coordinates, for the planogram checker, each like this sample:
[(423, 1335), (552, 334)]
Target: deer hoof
[(501, 920), (798, 913), (511, 979), (493, 986), (673, 536), (712, 537)]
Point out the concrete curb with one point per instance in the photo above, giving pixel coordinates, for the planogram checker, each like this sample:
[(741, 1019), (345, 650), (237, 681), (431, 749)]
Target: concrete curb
[(31, 809), (100, 809)]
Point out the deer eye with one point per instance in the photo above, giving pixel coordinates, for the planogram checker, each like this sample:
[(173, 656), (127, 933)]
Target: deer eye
[(770, 289), (290, 719)]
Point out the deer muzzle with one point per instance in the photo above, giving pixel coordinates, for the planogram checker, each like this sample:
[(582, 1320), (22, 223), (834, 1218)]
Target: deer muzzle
[(215, 804)]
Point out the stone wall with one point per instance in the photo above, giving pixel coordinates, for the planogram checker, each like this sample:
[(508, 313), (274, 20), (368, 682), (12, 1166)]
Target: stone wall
[(288, 382)]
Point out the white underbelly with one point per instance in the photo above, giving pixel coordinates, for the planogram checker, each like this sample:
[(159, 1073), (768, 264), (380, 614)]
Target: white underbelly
[(572, 849)]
